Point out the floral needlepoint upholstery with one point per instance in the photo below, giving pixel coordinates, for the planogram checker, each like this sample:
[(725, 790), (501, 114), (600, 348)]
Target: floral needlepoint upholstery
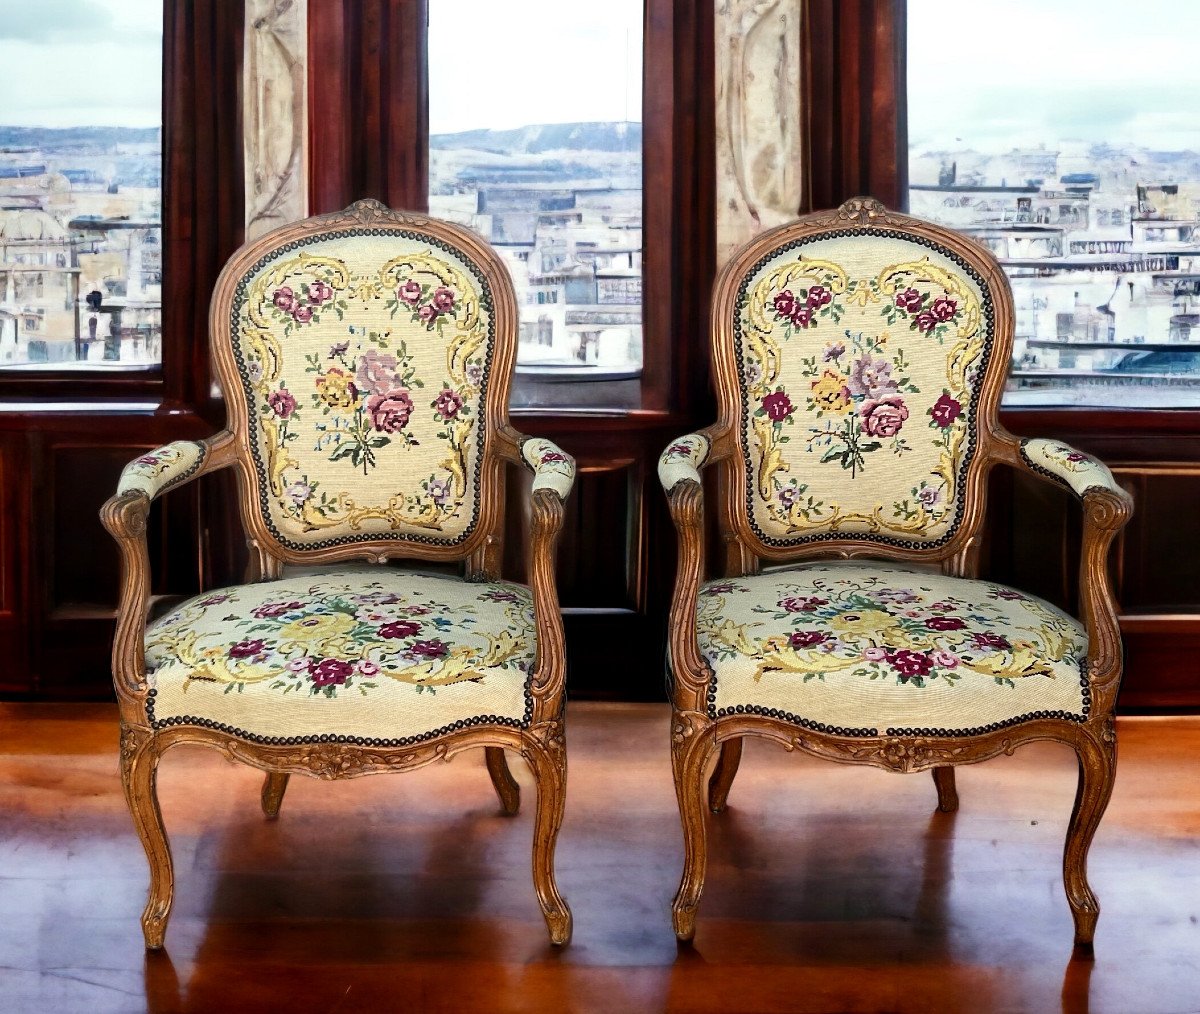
[(553, 468), (1078, 471), (364, 361), (374, 655), (860, 361), (682, 460), (158, 470), (873, 649)]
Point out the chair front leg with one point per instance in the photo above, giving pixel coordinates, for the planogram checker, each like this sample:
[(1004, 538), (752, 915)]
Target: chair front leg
[(690, 750), (547, 759), (1097, 773), (506, 786), (139, 768)]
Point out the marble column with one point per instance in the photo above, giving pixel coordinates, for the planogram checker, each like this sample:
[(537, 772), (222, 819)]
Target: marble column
[(758, 128), (275, 113)]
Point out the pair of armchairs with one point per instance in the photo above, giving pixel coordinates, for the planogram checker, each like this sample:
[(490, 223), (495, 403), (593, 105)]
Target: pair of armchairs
[(366, 360)]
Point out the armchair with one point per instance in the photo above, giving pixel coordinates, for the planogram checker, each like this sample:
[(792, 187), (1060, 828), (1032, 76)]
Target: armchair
[(859, 358), (365, 358)]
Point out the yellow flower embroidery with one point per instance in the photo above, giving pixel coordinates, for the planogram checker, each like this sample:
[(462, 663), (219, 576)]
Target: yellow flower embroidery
[(863, 622), (336, 388), (831, 393), (312, 629)]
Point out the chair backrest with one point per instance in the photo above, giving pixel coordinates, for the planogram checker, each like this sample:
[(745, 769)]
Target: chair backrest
[(860, 355), (365, 358)]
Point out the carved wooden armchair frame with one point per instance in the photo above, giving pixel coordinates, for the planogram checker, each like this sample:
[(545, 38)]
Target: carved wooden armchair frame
[(698, 732), (539, 738)]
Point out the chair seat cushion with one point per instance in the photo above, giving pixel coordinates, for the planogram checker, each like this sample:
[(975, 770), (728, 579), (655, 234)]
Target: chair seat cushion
[(869, 649), (372, 654)]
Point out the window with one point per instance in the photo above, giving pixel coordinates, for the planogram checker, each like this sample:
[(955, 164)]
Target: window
[(1080, 169), (546, 163), (80, 187)]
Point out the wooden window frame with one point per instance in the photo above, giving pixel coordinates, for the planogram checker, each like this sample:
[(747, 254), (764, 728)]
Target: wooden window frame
[(202, 218), (370, 126)]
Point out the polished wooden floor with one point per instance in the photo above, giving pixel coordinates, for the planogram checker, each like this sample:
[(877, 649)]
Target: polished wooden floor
[(829, 888)]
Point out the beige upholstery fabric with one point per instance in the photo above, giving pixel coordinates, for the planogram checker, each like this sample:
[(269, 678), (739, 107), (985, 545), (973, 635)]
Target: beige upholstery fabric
[(866, 649), (682, 460), (364, 358), (1074, 469), (160, 469), (553, 468), (860, 364), (371, 653)]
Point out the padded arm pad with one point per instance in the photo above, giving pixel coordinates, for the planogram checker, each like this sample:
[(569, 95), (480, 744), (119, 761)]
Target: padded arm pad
[(553, 468), (1077, 471), (158, 470), (683, 459)]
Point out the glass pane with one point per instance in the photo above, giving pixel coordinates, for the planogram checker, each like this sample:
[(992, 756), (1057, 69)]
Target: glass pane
[(1064, 137), (81, 186), (536, 143)]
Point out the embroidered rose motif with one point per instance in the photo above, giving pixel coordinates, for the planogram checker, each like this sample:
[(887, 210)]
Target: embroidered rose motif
[(319, 292), (801, 316), (818, 296), (987, 639), (282, 402), (428, 314), (399, 628), (945, 623), (926, 321), (778, 406), (377, 371), (944, 309), (945, 410), (801, 603), (946, 659), (807, 638), (336, 388), (784, 303), (883, 418), (448, 403), (871, 378), (430, 649), (443, 299), (330, 672), (310, 629), (409, 292), (929, 496), (284, 299), (909, 300), (909, 664), (247, 648), (302, 314), (390, 412), (269, 610), (830, 393), (298, 493)]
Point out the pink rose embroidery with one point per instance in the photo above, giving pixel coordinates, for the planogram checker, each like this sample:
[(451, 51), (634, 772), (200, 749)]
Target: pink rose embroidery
[(282, 402), (284, 299), (945, 410), (944, 309), (409, 292), (909, 300), (319, 293), (443, 299), (448, 403), (884, 417), (778, 406), (302, 314), (390, 412)]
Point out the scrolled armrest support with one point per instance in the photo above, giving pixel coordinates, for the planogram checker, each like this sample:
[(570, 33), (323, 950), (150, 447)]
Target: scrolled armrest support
[(683, 459), (124, 516), (553, 468), (1107, 508)]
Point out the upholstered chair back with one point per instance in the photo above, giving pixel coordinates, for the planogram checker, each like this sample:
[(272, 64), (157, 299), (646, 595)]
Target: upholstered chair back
[(364, 358), (859, 361)]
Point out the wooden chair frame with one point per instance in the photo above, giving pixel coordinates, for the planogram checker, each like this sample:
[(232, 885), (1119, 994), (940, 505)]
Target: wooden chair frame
[(696, 737), (541, 743)]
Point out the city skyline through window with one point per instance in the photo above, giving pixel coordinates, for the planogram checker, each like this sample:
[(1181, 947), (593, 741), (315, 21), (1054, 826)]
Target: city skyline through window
[(81, 186), (536, 144), (1063, 147)]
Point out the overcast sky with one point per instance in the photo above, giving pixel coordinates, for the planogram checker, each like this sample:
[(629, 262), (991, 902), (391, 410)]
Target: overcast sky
[(73, 63), (1018, 72), (506, 63)]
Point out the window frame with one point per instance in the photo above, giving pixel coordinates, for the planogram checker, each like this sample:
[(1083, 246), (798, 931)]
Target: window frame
[(202, 220)]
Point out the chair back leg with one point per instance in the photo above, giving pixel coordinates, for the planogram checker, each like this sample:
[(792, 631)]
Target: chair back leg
[(943, 778), (506, 786), (274, 786), (722, 777)]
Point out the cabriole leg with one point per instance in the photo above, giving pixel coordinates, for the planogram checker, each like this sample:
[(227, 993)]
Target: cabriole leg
[(274, 786), (139, 768), (548, 761), (1097, 772), (943, 778), (690, 751), (722, 777), (506, 786)]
